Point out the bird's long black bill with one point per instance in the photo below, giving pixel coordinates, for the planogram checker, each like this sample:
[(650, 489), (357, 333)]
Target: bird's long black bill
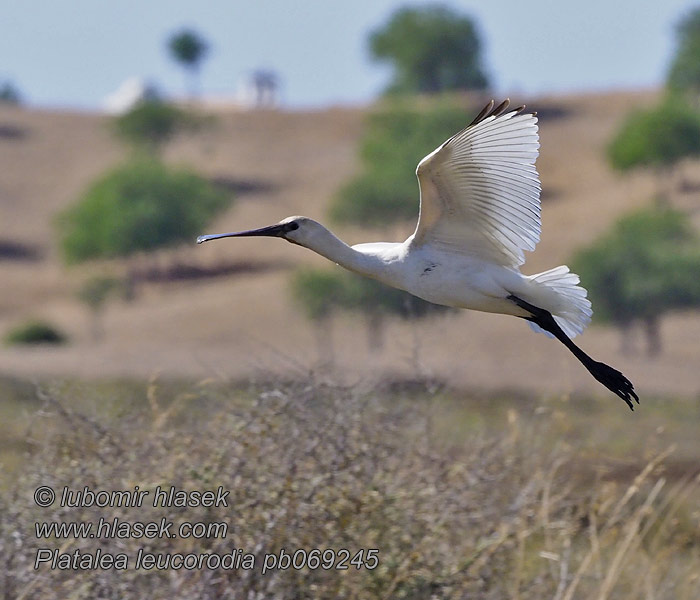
[(270, 231)]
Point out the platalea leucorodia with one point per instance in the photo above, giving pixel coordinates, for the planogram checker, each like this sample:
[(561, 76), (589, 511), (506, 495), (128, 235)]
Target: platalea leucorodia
[(479, 210)]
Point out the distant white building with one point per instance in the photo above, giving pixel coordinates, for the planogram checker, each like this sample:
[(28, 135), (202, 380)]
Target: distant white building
[(127, 95), (257, 89)]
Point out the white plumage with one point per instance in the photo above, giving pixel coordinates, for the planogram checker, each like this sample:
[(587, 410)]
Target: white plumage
[(480, 192), (479, 212)]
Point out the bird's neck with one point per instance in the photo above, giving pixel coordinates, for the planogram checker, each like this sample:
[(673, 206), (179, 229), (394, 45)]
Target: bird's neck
[(334, 249)]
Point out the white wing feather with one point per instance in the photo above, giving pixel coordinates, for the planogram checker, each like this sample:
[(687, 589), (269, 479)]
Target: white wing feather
[(480, 191)]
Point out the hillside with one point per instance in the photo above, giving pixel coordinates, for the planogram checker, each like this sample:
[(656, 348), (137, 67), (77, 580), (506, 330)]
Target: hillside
[(286, 163)]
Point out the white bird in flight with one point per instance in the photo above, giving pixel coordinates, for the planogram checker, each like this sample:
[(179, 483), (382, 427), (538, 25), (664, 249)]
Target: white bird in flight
[(479, 210)]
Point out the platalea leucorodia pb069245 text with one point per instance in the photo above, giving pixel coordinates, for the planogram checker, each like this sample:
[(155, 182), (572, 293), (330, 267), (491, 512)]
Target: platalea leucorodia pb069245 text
[(479, 210)]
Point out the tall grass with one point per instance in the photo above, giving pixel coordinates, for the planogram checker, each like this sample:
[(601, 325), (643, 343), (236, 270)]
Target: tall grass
[(497, 514)]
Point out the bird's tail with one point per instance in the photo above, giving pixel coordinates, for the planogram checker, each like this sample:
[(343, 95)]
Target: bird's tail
[(557, 291)]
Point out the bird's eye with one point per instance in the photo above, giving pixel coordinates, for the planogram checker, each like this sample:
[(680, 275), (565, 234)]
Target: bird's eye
[(292, 226)]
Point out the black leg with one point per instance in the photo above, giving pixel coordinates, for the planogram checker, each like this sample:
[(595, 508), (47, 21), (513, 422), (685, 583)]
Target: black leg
[(611, 378)]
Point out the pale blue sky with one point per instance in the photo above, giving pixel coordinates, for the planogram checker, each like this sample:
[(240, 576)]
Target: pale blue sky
[(72, 53)]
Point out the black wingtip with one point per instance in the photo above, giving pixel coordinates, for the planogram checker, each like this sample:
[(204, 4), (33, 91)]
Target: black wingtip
[(491, 110), (485, 112), (501, 108)]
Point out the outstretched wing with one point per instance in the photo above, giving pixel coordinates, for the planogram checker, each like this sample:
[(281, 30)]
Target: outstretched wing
[(480, 192)]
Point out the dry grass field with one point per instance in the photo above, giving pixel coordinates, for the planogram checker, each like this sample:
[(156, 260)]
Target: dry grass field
[(457, 496), (480, 459)]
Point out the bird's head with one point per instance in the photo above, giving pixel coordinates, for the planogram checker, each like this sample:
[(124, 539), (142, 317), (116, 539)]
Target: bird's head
[(297, 230)]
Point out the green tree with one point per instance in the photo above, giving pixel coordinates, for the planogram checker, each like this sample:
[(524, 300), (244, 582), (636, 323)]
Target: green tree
[(646, 266), (377, 302), (321, 293), (189, 49), (9, 94), (684, 73), (659, 138), (94, 293), (396, 139), (432, 49), (140, 206), (152, 123)]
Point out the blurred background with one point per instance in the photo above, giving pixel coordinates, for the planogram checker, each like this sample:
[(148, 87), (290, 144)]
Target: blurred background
[(127, 129)]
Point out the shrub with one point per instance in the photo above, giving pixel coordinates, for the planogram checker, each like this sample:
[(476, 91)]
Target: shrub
[(35, 332), (140, 206), (658, 137)]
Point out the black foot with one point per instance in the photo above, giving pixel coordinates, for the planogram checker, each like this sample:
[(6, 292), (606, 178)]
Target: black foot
[(615, 381), (611, 378)]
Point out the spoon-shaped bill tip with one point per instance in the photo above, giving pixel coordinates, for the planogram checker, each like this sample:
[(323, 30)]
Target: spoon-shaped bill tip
[(217, 236)]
